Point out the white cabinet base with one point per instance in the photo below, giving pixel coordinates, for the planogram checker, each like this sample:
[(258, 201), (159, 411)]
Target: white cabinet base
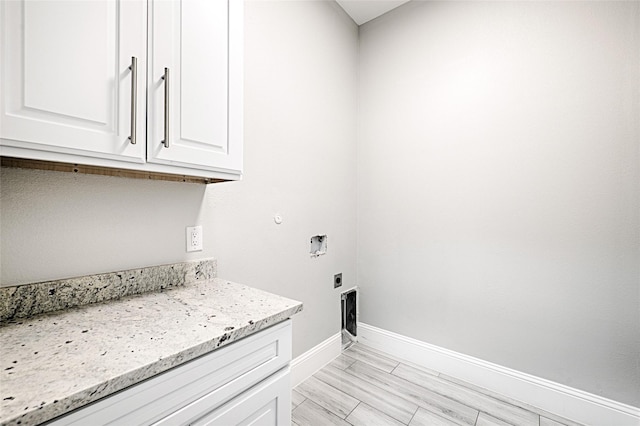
[(246, 382)]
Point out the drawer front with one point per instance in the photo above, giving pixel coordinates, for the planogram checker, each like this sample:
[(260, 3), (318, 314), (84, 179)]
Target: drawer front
[(206, 382), (266, 404)]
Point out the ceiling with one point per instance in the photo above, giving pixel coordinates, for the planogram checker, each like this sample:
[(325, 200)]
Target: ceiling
[(362, 11)]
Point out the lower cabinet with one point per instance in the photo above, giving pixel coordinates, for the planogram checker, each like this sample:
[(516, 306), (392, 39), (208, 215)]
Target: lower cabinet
[(269, 403), (244, 383)]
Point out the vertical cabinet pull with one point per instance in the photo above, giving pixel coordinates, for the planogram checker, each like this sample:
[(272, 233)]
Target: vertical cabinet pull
[(165, 77), (134, 98)]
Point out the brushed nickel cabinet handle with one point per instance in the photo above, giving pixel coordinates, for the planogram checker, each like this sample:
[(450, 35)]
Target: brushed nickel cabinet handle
[(165, 77), (134, 98)]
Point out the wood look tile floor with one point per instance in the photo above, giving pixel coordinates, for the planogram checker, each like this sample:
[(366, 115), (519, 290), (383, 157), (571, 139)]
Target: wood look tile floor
[(367, 387)]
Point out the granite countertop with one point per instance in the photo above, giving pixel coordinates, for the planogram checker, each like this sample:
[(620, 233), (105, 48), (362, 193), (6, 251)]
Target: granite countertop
[(55, 362)]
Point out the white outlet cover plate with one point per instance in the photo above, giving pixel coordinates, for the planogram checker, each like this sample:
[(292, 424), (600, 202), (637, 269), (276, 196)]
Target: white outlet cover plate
[(194, 238)]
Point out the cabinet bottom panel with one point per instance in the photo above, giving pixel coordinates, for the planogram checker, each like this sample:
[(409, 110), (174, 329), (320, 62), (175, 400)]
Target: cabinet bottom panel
[(104, 171)]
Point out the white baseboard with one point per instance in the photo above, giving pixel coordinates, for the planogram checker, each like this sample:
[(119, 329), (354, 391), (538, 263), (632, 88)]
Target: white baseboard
[(305, 365), (553, 397)]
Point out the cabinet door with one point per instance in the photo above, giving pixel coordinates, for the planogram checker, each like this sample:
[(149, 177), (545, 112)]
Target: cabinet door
[(199, 42), (66, 82)]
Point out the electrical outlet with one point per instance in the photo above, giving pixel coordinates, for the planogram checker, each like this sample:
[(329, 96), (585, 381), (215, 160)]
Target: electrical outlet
[(194, 238), (337, 280)]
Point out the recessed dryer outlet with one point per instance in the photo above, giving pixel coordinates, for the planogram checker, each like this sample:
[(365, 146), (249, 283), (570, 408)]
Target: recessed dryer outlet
[(337, 280)]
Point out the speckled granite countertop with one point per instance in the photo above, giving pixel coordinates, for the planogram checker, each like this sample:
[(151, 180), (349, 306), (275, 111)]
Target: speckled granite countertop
[(55, 362)]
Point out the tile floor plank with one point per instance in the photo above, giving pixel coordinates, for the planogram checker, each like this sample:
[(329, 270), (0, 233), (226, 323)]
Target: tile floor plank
[(494, 407), (364, 415), (427, 418), (521, 404), (373, 350), (396, 359), (424, 370), (362, 390), (296, 398), (487, 420), (342, 362), (326, 396), (548, 422), (311, 414), (436, 403), (361, 353), (365, 386)]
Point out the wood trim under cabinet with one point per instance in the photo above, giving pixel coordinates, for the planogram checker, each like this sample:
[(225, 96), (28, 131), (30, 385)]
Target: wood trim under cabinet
[(23, 163)]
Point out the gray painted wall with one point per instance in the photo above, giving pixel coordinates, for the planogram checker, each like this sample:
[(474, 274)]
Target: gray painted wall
[(499, 185), (300, 130)]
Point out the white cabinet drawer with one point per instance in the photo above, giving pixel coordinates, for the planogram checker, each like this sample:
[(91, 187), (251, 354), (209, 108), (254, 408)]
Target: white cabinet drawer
[(202, 384), (266, 404)]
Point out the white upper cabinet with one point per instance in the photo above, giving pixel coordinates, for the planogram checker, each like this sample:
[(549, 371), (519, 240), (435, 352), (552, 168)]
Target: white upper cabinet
[(190, 39), (71, 94), (66, 82)]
